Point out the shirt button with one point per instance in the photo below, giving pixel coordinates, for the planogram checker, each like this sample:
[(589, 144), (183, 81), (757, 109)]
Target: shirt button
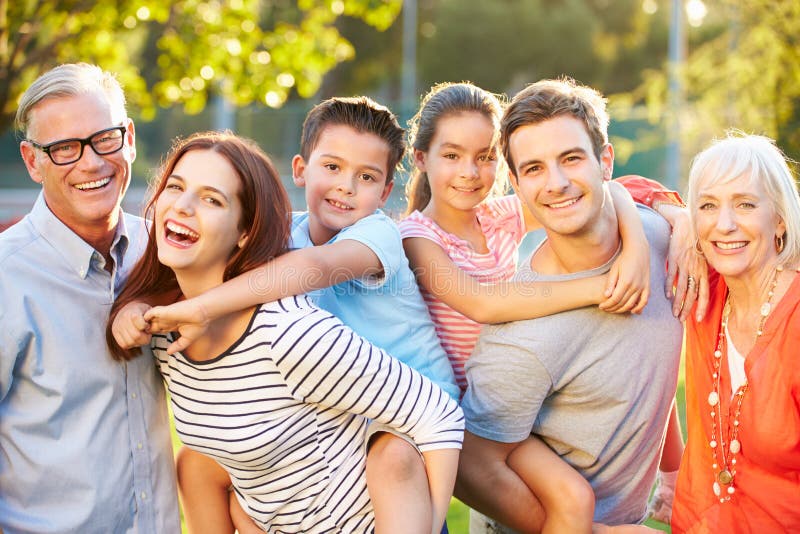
[(133, 395), (139, 445), (143, 495)]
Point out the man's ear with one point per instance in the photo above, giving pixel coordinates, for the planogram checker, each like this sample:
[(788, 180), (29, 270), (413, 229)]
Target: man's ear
[(28, 153), (298, 168), (419, 160), (387, 190), (607, 161)]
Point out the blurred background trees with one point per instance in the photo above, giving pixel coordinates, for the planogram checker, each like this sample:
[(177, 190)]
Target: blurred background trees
[(179, 52)]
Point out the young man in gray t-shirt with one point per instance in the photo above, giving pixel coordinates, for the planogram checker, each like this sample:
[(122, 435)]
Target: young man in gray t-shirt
[(597, 388)]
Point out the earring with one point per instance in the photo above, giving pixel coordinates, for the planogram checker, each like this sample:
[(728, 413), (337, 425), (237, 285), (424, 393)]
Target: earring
[(779, 244), (697, 247)]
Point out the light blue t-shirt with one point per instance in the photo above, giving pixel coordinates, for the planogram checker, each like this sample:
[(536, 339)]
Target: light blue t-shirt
[(388, 311)]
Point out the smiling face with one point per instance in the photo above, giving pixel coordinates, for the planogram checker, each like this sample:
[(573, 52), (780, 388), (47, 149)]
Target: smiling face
[(461, 163), (559, 177), (736, 225), (345, 179), (197, 219), (84, 195)]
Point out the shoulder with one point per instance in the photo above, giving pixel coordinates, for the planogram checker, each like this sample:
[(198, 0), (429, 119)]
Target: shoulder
[(655, 226), (380, 234), (137, 230), (283, 312), (15, 239), (420, 225), (502, 205), (377, 223), (502, 215)]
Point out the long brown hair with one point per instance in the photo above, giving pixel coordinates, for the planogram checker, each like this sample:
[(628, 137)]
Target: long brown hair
[(444, 100), (265, 217)]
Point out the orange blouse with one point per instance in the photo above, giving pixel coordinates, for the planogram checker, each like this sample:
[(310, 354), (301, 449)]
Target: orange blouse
[(767, 481)]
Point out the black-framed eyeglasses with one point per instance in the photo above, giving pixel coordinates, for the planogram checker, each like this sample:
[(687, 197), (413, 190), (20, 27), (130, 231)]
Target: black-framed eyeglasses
[(68, 151)]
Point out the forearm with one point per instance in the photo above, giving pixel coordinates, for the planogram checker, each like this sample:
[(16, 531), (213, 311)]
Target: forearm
[(530, 300), (674, 214), (515, 301), (630, 224), (293, 273), (441, 467)]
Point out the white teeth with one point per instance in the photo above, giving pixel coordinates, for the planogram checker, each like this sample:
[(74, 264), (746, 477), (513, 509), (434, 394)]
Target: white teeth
[(92, 185), (339, 205), (731, 246), (466, 189), (565, 203), (172, 227)]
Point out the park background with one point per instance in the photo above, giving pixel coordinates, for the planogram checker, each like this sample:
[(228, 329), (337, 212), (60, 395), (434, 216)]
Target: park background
[(678, 73)]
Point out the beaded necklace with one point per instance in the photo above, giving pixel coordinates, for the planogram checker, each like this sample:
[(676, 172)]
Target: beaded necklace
[(724, 475)]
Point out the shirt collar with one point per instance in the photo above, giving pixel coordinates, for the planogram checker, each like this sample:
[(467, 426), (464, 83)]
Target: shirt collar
[(76, 252)]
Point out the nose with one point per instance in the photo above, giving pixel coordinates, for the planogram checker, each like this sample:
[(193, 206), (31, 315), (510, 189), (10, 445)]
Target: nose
[(557, 181), (346, 185), (726, 220), (90, 160), (470, 168), (184, 204)]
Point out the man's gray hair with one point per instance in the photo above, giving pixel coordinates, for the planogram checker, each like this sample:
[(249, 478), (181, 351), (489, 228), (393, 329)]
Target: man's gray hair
[(70, 79)]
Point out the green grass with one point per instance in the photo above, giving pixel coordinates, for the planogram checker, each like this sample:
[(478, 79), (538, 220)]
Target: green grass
[(458, 514)]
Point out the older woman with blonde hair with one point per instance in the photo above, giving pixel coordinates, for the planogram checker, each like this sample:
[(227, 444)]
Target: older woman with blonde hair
[(741, 468)]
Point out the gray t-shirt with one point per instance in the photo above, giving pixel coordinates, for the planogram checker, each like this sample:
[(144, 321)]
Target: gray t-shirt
[(596, 387)]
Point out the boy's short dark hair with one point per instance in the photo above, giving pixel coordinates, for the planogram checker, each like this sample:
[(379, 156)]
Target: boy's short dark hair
[(363, 115), (548, 99)]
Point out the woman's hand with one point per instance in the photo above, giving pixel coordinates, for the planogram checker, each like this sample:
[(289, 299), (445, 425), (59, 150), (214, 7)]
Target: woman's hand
[(628, 283), (130, 328), (187, 317), (687, 271)]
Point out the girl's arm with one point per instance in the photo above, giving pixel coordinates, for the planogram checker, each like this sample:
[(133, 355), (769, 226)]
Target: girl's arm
[(495, 303), (293, 273), (513, 301), (628, 284)]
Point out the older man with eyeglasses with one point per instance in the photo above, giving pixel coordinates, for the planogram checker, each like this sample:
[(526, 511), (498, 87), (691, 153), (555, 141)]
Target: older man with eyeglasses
[(84, 440)]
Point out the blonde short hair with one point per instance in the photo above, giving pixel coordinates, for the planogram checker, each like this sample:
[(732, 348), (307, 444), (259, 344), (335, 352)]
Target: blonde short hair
[(762, 161)]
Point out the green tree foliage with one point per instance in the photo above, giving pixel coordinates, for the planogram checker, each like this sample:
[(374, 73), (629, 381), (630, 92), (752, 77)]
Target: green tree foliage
[(169, 52), (744, 74), (504, 44)]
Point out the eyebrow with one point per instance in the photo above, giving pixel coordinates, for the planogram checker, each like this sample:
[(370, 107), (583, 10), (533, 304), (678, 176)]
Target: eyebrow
[(375, 168), (564, 153), (204, 188), (736, 196), (459, 147)]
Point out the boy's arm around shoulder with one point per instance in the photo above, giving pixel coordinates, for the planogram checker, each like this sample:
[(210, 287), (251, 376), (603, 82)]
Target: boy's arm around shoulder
[(294, 273)]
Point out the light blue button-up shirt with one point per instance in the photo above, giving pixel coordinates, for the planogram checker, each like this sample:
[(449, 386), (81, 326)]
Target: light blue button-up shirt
[(84, 440)]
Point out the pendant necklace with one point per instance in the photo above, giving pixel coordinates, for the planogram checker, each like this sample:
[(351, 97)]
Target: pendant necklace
[(724, 465)]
